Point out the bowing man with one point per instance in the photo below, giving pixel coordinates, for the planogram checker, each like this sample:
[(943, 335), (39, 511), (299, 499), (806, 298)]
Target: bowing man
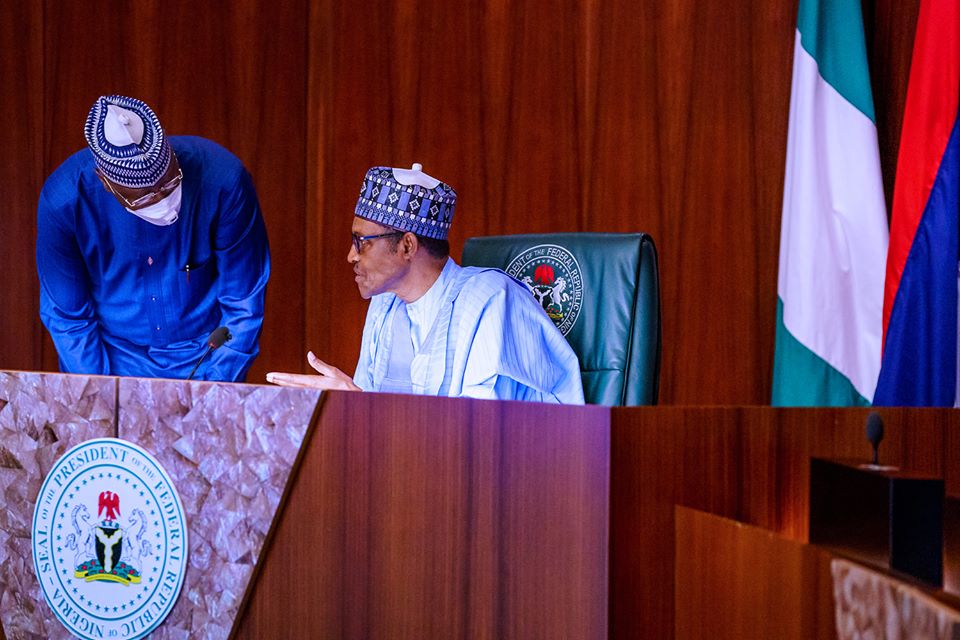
[(145, 244)]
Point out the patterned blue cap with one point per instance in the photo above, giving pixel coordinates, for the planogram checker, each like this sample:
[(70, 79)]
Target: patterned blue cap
[(408, 200), (127, 141)]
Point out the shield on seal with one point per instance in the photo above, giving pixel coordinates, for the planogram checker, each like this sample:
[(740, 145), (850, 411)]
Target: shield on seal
[(552, 274), (109, 546), (109, 535)]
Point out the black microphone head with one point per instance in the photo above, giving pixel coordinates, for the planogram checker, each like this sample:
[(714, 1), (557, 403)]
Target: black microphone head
[(874, 428), (218, 337)]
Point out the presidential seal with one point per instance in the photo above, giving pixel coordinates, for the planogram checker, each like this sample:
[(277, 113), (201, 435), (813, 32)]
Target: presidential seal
[(109, 540), (553, 276)]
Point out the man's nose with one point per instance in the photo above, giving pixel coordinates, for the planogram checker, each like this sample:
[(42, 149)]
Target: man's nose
[(352, 256)]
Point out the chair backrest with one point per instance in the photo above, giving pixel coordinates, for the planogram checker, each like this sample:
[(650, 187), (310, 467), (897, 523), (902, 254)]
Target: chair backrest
[(602, 290)]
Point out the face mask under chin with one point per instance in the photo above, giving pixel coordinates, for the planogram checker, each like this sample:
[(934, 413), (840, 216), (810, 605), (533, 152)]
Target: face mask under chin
[(162, 213)]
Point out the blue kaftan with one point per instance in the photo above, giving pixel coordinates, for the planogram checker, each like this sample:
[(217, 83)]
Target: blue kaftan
[(121, 296)]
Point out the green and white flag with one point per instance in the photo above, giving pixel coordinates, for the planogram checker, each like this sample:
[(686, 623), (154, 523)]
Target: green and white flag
[(833, 233)]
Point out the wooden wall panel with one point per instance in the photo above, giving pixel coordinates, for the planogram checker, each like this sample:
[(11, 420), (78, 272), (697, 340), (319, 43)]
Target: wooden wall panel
[(21, 104), (951, 460), (667, 117), (890, 26), (692, 130)]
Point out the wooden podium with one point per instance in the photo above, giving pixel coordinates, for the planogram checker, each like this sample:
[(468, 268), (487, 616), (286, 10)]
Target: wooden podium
[(336, 515), (375, 515)]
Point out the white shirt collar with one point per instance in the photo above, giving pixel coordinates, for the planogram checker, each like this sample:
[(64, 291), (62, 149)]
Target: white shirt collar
[(423, 311)]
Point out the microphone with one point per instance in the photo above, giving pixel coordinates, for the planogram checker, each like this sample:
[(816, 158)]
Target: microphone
[(216, 339), (875, 433)]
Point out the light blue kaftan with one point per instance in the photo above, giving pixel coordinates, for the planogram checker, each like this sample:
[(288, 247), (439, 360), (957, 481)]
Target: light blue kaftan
[(477, 333)]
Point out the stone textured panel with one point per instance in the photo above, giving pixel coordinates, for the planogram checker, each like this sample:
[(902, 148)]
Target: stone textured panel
[(229, 449), (870, 604), (41, 416)]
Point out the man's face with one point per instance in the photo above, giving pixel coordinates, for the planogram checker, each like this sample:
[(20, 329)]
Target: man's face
[(136, 199), (379, 266)]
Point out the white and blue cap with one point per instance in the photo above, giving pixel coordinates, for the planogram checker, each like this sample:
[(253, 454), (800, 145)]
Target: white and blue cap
[(127, 141), (408, 200)]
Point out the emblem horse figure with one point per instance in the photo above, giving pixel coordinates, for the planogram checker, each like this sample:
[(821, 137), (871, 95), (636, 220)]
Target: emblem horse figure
[(139, 547), (533, 288), (81, 541), (558, 295)]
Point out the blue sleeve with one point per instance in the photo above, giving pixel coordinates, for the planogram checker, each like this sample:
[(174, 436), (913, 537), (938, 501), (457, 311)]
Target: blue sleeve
[(66, 306), (243, 265)]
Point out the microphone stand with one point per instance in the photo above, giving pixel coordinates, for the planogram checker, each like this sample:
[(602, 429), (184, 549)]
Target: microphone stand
[(216, 339), (194, 370)]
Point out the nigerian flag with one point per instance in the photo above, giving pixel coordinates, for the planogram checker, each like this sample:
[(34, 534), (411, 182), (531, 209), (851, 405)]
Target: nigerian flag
[(833, 232)]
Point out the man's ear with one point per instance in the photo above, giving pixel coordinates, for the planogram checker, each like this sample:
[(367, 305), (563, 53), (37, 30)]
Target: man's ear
[(409, 245)]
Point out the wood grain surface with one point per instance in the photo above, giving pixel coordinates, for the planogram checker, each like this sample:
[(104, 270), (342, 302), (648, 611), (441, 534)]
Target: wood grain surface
[(737, 581), (603, 115), (21, 147), (750, 464), (437, 518)]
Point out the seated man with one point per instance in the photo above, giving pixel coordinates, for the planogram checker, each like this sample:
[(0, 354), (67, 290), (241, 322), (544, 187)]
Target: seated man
[(145, 244), (433, 327)]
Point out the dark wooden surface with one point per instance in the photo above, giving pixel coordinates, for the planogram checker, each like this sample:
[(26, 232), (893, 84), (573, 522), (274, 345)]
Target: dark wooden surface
[(748, 464), (21, 147), (736, 581), (604, 115), (435, 518)]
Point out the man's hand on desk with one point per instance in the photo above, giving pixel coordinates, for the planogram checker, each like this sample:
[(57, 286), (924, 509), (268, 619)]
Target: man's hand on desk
[(328, 377)]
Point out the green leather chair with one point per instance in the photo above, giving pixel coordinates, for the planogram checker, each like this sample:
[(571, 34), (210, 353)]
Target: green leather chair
[(602, 290)]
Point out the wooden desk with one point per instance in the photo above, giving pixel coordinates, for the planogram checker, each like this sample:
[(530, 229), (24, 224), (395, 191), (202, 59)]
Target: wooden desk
[(418, 517), (748, 464), (436, 517)]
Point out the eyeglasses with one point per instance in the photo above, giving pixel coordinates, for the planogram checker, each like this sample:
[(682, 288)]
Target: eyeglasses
[(358, 241), (148, 198)]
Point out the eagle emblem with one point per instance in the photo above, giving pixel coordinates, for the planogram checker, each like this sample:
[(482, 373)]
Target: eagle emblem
[(552, 274), (106, 549)]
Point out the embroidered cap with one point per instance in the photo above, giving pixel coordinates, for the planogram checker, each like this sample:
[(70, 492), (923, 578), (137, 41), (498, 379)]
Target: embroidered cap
[(408, 200), (127, 141)]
